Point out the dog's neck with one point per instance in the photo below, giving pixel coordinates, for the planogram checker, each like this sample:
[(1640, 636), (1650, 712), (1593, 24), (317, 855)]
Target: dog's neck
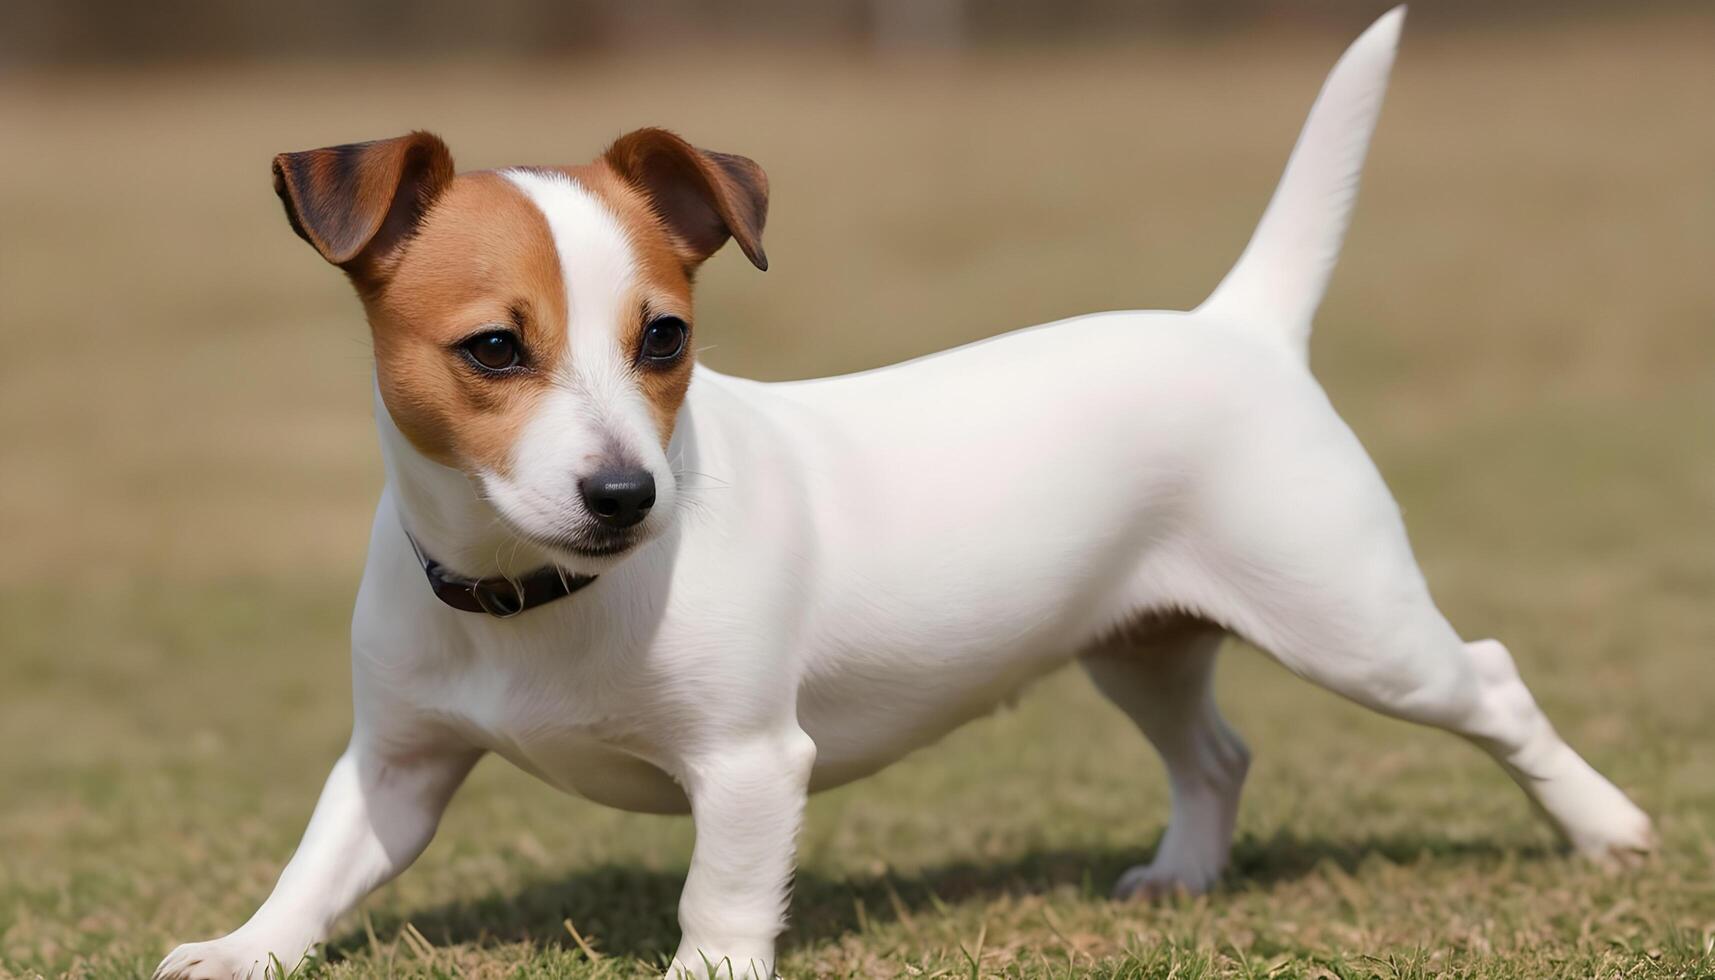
[(443, 509)]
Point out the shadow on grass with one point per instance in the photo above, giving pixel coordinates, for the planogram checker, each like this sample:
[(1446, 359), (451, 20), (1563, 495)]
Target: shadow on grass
[(633, 912)]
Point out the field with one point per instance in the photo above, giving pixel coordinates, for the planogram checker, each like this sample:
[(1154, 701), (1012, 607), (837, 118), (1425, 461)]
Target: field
[(1522, 331)]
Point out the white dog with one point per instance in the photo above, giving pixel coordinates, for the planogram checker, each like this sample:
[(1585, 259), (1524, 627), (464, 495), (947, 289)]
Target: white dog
[(706, 594)]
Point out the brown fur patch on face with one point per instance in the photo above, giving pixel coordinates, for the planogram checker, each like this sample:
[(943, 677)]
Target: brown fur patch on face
[(663, 288), (483, 258)]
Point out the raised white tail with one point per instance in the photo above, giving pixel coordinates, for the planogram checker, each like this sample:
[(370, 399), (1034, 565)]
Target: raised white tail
[(1278, 282)]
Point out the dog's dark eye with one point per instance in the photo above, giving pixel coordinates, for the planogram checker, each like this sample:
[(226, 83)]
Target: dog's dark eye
[(496, 350), (664, 339)]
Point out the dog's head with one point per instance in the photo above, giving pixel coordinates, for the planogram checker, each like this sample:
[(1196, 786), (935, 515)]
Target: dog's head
[(533, 326)]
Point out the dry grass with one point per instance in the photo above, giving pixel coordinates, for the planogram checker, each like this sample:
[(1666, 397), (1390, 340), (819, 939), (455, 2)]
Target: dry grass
[(1523, 332)]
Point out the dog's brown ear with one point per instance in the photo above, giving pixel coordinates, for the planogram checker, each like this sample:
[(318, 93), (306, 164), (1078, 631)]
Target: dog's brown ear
[(703, 196), (359, 202)]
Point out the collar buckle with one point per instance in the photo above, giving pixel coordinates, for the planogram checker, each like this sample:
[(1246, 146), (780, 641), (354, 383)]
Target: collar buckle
[(491, 595), (500, 597)]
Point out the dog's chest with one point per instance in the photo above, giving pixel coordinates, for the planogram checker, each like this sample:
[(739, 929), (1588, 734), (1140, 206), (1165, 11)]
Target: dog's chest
[(553, 724)]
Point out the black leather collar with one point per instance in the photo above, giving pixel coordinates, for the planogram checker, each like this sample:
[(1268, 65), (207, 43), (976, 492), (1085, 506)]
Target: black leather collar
[(501, 598)]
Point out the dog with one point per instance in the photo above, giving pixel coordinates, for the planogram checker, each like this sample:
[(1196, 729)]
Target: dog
[(674, 592)]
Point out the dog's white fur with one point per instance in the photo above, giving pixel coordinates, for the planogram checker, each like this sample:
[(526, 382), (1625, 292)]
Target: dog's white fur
[(596, 404), (860, 564)]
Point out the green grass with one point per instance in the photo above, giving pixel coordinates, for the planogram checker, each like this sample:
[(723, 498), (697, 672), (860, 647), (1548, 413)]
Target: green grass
[(1365, 848), (1521, 333)]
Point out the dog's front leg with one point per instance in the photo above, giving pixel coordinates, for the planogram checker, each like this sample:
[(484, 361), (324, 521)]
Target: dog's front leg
[(376, 814), (747, 798)]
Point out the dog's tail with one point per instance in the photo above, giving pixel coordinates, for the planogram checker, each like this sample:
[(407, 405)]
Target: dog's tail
[(1279, 280)]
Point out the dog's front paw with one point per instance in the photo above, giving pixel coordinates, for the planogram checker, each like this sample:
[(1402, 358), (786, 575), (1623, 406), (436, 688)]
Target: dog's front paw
[(1186, 863), (691, 964), (1153, 883), (233, 957), (1616, 835)]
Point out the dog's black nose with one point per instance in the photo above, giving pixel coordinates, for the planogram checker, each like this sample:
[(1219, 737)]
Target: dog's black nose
[(619, 497)]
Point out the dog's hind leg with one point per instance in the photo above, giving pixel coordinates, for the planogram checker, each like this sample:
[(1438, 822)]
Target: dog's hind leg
[(1318, 572), (1162, 677)]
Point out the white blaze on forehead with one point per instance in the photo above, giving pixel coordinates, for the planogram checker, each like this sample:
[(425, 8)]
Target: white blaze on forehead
[(596, 414), (597, 264)]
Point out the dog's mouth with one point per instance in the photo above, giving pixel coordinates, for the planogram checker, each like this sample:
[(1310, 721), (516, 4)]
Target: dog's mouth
[(591, 544), (570, 537), (592, 547)]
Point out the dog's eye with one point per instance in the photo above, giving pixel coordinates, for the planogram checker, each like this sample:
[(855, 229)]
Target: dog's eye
[(495, 350), (664, 339)]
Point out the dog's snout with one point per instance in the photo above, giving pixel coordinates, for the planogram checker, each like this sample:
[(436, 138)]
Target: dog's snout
[(619, 498)]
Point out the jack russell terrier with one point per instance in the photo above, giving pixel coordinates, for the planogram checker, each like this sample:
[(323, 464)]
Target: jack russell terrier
[(890, 554)]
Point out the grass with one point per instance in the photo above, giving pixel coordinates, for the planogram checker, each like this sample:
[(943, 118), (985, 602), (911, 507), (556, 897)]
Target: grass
[(1523, 332)]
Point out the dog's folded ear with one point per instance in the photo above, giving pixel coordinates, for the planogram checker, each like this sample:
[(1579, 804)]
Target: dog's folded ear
[(704, 197), (359, 202)]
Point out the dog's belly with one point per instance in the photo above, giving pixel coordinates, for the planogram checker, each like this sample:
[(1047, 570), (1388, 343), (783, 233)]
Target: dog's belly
[(862, 723), (851, 745), (859, 729), (612, 777)]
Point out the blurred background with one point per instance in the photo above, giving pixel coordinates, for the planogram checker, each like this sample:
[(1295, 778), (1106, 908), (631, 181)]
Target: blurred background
[(1522, 331)]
